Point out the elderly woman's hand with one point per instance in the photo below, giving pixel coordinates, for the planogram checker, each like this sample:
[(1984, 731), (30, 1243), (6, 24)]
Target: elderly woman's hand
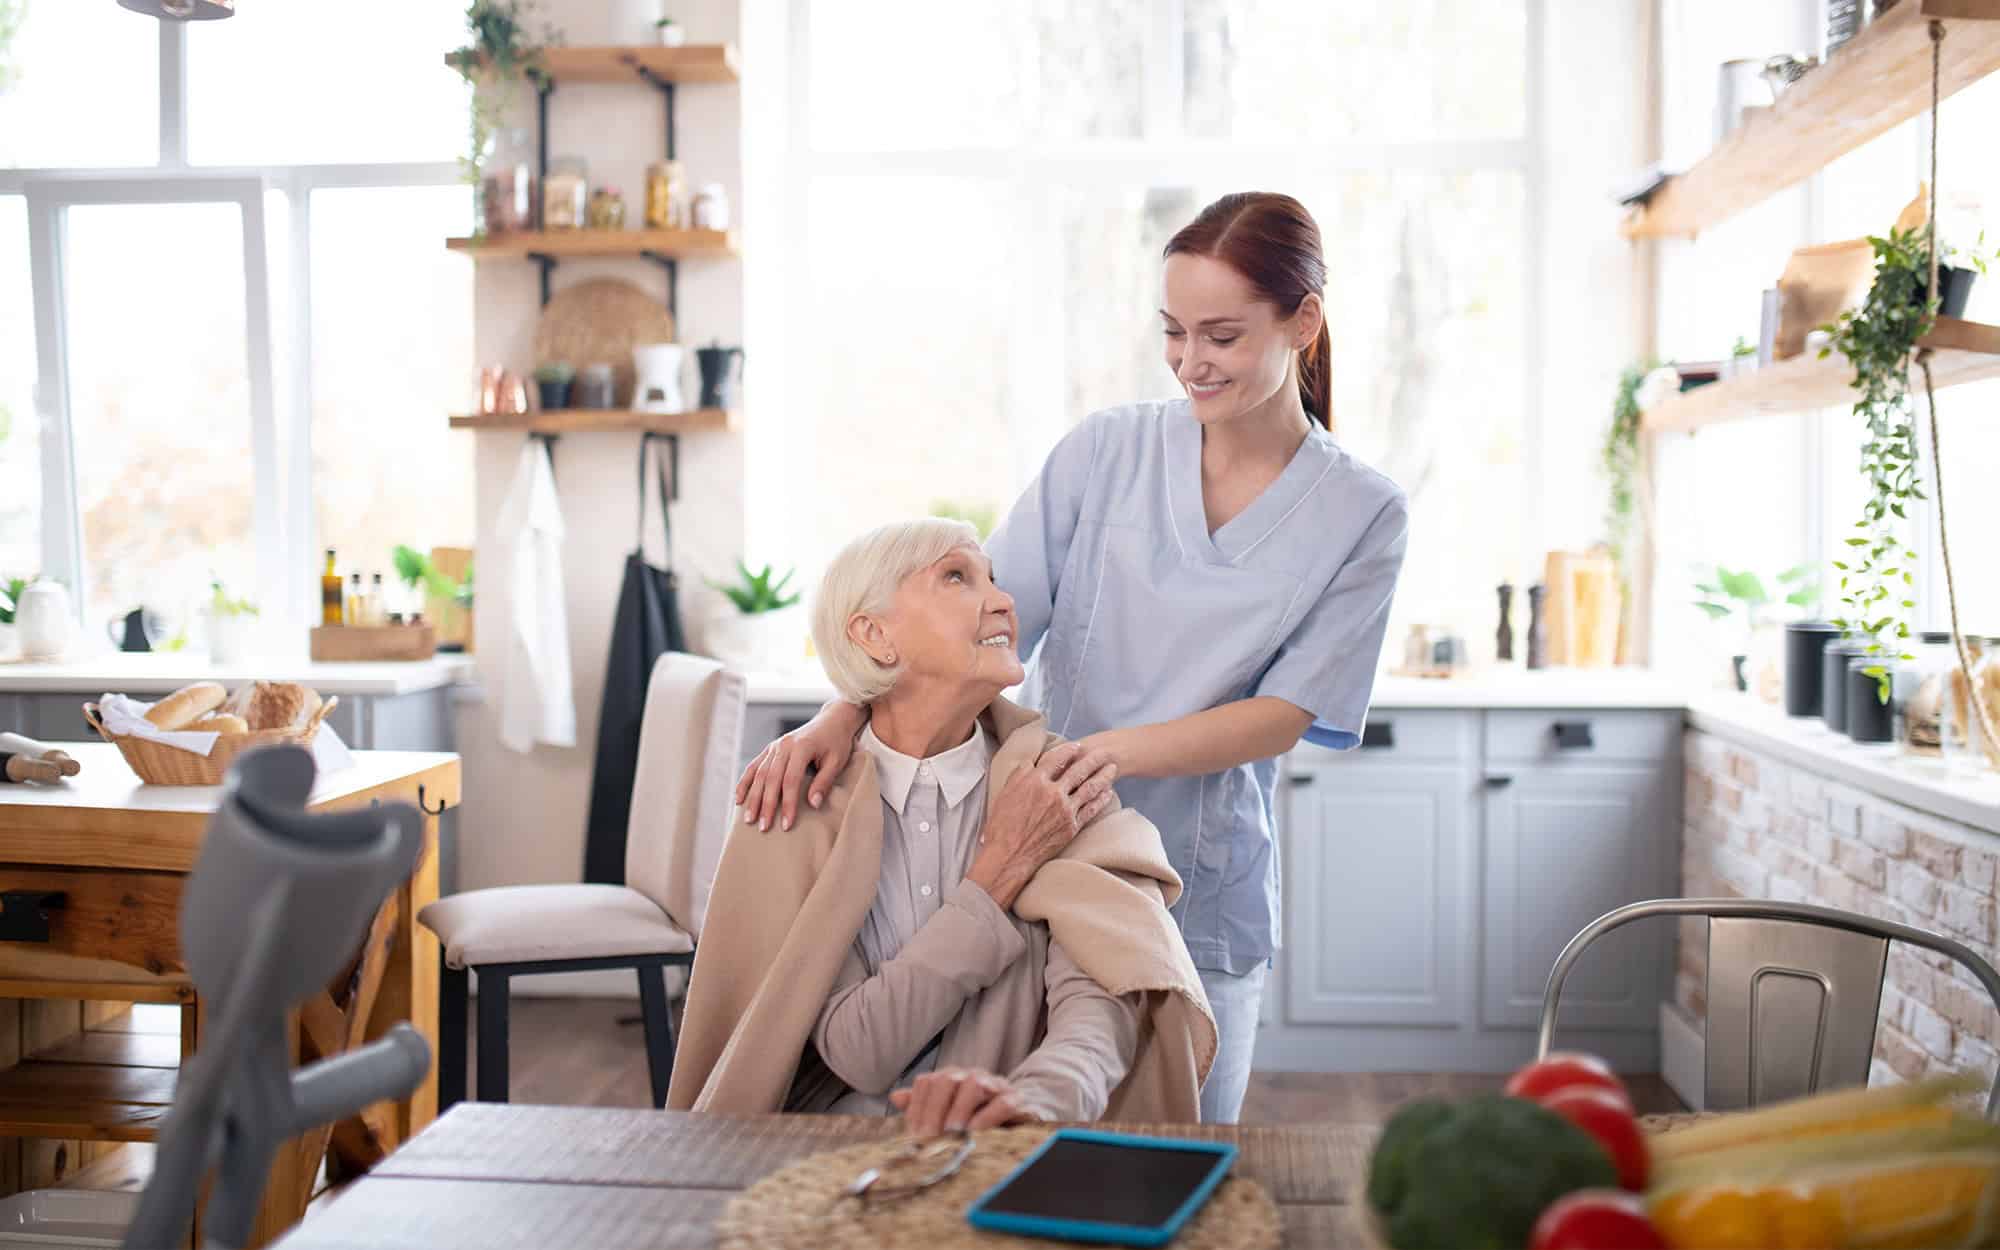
[(1039, 810), (958, 1098)]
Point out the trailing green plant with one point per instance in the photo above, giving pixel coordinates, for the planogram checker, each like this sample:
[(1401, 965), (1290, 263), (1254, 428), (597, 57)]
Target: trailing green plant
[(221, 603), (416, 570), (1879, 339), (979, 516), (1620, 458), (755, 593), (500, 56), (10, 596)]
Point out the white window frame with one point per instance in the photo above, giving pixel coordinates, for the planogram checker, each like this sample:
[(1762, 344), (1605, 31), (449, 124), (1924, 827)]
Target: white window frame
[(1166, 156), (286, 541)]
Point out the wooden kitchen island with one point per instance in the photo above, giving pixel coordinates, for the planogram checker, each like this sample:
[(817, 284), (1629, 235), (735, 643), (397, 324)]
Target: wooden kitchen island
[(118, 851)]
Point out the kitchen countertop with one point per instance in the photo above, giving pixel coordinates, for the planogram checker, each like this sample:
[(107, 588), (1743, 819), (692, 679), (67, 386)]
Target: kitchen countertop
[(146, 674), (1500, 688)]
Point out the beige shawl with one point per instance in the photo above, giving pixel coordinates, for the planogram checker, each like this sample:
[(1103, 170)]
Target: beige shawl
[(786, 908)]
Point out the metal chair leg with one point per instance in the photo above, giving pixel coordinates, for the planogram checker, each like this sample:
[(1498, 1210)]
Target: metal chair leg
[(659, 1029), (492, 1036), (453, 991)]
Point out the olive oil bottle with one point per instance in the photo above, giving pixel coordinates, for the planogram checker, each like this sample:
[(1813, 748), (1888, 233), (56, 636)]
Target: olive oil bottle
[(329, 594)]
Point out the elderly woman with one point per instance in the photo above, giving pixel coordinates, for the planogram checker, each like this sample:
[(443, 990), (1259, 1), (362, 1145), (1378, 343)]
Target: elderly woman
[(970, 929)]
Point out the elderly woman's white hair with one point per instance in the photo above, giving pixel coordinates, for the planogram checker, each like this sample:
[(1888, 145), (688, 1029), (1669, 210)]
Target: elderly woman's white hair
[(863, 579)]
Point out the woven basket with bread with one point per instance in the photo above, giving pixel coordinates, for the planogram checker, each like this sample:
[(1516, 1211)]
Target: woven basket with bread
[(259, 714)]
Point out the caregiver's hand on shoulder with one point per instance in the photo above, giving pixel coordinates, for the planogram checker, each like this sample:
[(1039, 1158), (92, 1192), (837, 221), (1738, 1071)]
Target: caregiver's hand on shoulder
[(951, 1099), (769, 788), (1039, 810)]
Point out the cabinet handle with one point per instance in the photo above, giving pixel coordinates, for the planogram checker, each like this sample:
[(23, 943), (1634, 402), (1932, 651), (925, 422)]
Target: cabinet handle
[(1573, 735), (1378, 735), (1295, 780), (1498, 781), (24, 914)]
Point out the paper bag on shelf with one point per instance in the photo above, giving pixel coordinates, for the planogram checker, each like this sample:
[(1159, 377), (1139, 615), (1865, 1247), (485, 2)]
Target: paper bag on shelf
[(1819, 283)]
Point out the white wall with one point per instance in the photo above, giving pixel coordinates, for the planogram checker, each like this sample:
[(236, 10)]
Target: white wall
[(523, 815)]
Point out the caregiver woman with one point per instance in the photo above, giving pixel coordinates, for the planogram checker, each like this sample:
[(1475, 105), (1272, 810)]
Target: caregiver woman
[(1206, 577)]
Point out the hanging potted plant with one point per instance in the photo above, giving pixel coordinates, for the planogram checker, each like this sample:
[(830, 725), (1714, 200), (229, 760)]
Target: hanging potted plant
[(1879, 339), (500, 55), (762, 628)]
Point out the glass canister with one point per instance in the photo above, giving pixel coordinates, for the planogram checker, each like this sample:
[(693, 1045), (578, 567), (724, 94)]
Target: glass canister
[(666, 196), (711, 207), (510, 185), (1917, 700), (594, 385), (565, 194), (607, 209), (1962, 739)]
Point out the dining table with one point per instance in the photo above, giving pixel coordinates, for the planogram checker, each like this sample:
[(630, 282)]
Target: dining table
[(492, 1176)]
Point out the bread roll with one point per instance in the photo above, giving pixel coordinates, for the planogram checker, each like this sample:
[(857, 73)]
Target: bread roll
[(221, 723), (186, 704), (280, 705)]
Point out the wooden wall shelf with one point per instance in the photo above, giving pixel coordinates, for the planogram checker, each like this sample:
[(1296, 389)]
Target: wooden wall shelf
[(1963, 351), (702, 63), (520, 245), (100, 1086), (583, 420), (1880, 78)]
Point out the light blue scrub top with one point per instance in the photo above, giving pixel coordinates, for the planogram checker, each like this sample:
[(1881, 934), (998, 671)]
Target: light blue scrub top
[(1141, 616)]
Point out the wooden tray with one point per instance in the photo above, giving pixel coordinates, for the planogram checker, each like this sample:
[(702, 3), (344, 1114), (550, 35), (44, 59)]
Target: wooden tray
[(339, 643)]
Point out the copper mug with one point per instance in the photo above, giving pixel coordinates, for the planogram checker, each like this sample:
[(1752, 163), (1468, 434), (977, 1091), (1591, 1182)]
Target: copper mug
[(489, 389)]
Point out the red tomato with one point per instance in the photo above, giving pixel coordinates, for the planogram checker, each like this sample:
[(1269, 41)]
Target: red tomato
[(1596, 1219), (1607, 1117), (1560, 1071)]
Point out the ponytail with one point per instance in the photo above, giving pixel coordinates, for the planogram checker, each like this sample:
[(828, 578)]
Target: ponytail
[(1316, 377)]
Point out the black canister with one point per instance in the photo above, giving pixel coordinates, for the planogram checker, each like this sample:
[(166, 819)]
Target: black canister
[(1833, 682), (1804, 643), (1868, 717)]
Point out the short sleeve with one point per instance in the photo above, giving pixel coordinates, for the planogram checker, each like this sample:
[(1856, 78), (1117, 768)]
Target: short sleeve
[(1030, 547), (1326, 665)]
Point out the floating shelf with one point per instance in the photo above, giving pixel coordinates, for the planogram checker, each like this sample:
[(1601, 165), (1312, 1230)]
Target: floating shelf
[(1962, 351), (1878, 79), (582, 420), (100, 1086), (693, 63), (523, 244)]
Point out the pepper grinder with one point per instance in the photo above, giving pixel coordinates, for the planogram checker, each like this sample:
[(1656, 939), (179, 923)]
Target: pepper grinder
[(1505, 638), (1537, 635)]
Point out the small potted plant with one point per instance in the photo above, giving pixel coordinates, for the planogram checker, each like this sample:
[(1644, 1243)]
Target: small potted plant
[(761, 628), (231, 625), (552, 382), (1742, 358), (669, 32), (1958, 268), (1729, 593)]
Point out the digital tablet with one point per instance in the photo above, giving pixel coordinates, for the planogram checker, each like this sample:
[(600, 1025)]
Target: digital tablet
[(1110, 1188)]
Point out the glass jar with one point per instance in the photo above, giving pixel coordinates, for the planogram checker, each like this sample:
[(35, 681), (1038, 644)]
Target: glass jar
[(1962, 739), (510, 185), (711, 207), (666, 196), (1917, 700), (607, 209), (564, 194)]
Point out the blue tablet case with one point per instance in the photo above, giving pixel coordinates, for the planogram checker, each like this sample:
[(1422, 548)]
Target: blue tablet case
[(1096, 1231)]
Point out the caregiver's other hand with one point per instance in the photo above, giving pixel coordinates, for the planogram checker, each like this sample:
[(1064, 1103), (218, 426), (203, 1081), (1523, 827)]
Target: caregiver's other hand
[(951, 1099), (1039, 810), (769, 788)]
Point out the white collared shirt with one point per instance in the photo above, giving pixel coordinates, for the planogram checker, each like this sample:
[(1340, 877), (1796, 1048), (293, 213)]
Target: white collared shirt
[(932, 812)]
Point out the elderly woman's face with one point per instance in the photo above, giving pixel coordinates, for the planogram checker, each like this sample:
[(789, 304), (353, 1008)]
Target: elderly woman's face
[(950, 622)]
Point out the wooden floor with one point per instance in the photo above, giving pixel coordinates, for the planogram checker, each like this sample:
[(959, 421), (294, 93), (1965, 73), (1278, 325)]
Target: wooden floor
[(574, 1052)]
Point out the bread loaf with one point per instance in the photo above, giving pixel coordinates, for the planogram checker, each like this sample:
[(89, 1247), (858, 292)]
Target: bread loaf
[(220, 723), (280, 705), (186, 704)]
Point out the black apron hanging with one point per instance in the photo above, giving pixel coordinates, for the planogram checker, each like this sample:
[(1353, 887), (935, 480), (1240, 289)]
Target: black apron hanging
[(648, 625)]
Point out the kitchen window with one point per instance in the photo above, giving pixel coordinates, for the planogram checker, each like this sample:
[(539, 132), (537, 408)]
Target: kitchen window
[(977, 258), (212, 365)]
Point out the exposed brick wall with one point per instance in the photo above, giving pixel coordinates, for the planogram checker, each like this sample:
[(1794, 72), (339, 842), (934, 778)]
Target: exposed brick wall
[(1759, 827)]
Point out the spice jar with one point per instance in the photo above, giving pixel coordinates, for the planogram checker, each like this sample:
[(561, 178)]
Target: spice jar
[(711, 207), (666, 196), (564, 195), (607, 209)]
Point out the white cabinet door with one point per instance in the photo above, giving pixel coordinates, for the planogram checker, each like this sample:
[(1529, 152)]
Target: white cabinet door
[(1564, 845), (1378, 890)]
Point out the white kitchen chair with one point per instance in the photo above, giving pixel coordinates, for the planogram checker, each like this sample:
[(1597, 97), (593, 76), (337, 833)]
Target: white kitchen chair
[(681, 807), (1793, 993)]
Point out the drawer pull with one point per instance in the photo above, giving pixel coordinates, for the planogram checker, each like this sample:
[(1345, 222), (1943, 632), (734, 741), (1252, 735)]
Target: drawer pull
[(1573, 735), (1378, 735), (24, 914), (1498, 781), (1296, 780)]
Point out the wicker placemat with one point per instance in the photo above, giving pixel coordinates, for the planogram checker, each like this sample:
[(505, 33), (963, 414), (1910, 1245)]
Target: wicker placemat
[(600, 321), (795, 1208)]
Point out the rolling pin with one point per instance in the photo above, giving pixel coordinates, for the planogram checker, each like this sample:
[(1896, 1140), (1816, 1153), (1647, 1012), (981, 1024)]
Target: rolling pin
[(28, 750)]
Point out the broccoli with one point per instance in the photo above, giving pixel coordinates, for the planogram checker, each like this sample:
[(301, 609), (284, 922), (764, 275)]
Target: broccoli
[(1479, 1175)]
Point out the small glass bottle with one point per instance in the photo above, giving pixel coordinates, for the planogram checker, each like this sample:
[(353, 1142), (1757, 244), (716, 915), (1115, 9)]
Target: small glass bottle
[(329, 593), (357, 602), (378, 606), (607, 209)]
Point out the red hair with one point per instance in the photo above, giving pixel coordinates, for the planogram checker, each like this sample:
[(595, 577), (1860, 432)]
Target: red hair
[(1274, 243)]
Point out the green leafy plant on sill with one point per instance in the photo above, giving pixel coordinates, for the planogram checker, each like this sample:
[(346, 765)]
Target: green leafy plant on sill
[(755, 593), (500, 56), (10, 595), (1879, 339), (980, 516), (220, 602), (1743, 347), (12, 14), (1730, 592), (416, 570), (1620, 458)]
